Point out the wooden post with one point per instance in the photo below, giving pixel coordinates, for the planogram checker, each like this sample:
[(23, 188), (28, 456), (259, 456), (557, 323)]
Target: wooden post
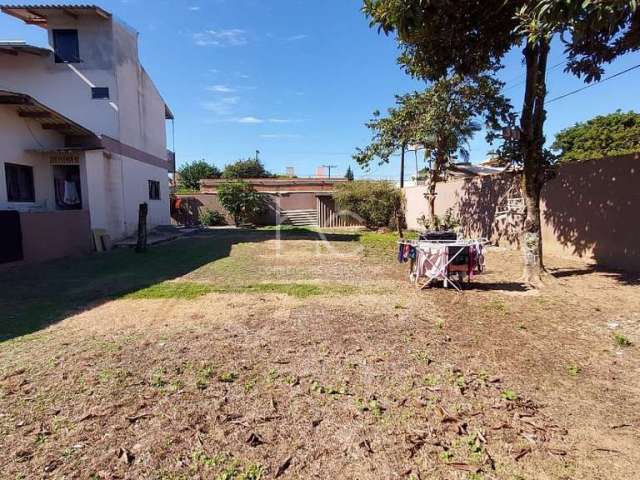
[(142, 228)]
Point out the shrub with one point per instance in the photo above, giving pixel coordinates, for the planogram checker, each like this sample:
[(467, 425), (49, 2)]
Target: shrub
[(212, 218), (241, 200), (192, 173), (250, 168), (375, 203), (448, 221)]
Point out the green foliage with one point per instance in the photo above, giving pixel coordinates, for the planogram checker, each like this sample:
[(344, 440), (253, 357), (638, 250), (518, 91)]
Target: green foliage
[(603, 136), (241, 200), (621, 340), (509, 395), (212, 218), (190, 175), (349, 175), (374, 202), (446, 222), (250, 168)]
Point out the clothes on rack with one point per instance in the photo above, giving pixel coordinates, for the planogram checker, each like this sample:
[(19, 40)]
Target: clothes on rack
[(406, 252)]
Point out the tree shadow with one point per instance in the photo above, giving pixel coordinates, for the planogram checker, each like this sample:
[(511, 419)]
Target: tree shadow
[(35, 296), (593, 210)]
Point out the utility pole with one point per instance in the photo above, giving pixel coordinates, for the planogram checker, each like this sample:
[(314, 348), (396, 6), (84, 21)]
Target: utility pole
[(329, 167), (257, 155)]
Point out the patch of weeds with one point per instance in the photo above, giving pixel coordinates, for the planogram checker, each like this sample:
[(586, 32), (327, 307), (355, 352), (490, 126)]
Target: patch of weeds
[(621, 340), (423, 356), (253, 472), (250, 384), (175, 386), (41, 438), (509, 395), (446, 456), (318, 388), (440, 324), (228, 377), (203, 375), (475, 447), (200, 457), (230, 472), (290, 379), (430, 380), (475, 476), (574, 369), (459, 381), (157, 378), (372, 406), (272, 376), (496, 307)]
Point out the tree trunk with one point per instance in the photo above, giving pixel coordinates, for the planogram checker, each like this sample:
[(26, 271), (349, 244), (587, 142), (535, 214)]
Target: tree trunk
[(532, 147), (141, 246), (404, 148)]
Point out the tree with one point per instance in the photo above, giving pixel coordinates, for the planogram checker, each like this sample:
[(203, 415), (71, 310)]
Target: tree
[(376, 203), (603, 136), (349, 175), (250, 168), (241, 200), (441, 119), (192, 173), (468, 37)]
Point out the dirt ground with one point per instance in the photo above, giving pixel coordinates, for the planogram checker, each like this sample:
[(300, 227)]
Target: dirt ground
[(357, 375)]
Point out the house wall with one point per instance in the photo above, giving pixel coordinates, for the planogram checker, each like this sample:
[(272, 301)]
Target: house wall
[(589, 210)]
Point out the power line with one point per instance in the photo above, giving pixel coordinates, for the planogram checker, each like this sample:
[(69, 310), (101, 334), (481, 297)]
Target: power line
[(568, 94)]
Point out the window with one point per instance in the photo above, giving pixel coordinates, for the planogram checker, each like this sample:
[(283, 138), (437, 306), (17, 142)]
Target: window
[(65, 46), (19, 183), (98, 93), (154, 190)]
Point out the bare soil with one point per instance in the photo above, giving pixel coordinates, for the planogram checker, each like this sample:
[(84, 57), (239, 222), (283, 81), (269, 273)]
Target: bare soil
[(380, 382)]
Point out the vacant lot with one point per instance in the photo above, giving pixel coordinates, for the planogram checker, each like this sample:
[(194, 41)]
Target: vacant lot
[(235, 356)]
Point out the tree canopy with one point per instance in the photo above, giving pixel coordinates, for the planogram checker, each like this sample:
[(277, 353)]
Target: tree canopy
[(603, 136), (249, 168), (190, 174), (438, 38), (349, 175)]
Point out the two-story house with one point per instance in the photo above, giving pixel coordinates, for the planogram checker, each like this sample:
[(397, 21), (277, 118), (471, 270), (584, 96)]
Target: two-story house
[(82, 135)]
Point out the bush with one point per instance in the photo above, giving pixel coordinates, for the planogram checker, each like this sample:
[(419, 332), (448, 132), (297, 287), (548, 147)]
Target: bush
[(250, 168), (192, 173), (375, 203), (212, 218), (241, 200)]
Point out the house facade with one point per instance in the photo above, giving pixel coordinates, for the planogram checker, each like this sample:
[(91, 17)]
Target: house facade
[(82, 132)]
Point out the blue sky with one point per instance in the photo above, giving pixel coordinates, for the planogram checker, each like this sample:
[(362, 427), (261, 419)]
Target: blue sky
[(297, 79)]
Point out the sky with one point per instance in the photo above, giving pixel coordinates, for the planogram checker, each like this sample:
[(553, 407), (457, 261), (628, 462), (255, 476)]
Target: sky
[(298, 79)]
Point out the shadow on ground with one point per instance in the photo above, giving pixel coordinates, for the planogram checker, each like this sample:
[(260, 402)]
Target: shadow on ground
[(33, 297)]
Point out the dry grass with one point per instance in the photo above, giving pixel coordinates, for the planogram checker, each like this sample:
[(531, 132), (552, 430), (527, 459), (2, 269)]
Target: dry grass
[(363, 378)]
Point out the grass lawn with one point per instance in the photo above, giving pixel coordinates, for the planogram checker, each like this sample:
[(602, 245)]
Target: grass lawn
[(231, 355)]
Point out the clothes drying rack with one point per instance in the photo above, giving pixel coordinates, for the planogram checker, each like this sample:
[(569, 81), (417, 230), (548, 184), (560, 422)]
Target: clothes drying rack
[(439, 269)]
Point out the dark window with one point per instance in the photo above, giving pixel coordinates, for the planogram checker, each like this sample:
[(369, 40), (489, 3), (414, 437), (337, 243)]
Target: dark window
[(65, 46), (99, 93), (154, 190), (19, 183)]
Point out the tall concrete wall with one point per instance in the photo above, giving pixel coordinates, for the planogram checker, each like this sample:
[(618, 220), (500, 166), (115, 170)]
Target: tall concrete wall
[(589, 210)]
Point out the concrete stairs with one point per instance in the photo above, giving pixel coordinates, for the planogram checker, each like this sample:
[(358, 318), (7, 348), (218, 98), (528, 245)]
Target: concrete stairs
[(299, 218)]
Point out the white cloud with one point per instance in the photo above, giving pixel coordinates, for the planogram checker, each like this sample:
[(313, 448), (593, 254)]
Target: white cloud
[(279, 120), (233, 37), (295, 38), (220, 89), (280, 136), (223, 106), (194, 9), (249, 120)]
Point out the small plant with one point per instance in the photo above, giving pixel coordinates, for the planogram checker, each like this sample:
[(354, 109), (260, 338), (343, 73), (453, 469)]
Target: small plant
[(228, 377), (621, 340), (200, 457), (250, 384), (253, 472), (509, 395), (446, 456), (574, 369), (430, 380), (372, 406), (440, 324), (423, 356), (272, 376), (157, 379), (212, 218)]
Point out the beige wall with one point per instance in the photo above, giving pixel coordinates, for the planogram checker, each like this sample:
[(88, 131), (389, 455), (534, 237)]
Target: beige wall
[(589, 211)]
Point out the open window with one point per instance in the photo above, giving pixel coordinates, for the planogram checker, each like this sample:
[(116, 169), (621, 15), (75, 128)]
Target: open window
[(66, 46), (154, 190), (20, 187)]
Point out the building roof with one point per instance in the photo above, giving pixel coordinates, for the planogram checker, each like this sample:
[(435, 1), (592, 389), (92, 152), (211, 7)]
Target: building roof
[(29, 108), (469, 169), (15, 48), (39, 14)]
